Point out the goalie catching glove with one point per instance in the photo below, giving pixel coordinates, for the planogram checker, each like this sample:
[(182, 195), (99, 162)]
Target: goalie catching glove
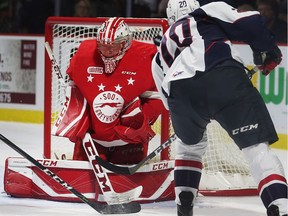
[(131, 135), (267, 61), (134, 127)]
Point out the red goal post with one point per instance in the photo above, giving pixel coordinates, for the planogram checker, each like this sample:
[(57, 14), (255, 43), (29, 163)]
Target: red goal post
[(225, 170)]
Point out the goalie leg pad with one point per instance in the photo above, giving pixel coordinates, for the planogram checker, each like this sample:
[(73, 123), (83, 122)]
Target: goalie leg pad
[(23, 179)]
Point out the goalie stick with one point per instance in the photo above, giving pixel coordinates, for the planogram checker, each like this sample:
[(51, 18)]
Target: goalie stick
[(55, 66), (133, 169), (102, 208), (110, 196)]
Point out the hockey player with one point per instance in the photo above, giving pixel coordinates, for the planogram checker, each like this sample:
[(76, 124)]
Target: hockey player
[(199, 80), (108, 75)]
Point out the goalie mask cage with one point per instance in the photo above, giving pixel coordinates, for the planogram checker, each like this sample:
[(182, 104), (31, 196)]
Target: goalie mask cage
[(225, 171)]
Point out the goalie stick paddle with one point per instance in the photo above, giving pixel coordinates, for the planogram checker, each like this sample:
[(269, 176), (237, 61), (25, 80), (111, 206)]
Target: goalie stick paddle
[(132, 169), (109, 195), (102, 208)]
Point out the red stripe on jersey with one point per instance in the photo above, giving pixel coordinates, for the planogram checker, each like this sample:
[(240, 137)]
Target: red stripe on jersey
[(189, 163), (271, 178)]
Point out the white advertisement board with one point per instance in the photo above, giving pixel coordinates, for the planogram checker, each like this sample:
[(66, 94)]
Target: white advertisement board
[(21, 72)]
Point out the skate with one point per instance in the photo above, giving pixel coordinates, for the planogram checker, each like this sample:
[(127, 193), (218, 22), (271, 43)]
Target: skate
[(273, 210), (186, 207)]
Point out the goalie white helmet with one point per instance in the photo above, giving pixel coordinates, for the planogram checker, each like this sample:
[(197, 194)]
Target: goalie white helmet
[(113, 40), (178, 8)]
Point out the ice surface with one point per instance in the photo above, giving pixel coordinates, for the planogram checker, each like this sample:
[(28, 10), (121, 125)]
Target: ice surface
[(29, 137)]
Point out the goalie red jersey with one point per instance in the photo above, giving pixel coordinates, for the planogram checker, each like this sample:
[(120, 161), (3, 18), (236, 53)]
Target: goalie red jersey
[(114, 113)]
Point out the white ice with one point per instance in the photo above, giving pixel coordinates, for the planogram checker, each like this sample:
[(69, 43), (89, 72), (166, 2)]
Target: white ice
[(29, 137)]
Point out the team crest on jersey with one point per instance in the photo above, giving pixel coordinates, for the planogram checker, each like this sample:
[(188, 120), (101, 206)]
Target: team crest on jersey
[(95, 70), (107, 106)]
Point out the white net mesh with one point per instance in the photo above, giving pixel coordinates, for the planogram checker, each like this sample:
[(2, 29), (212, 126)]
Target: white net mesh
[(224, 165)]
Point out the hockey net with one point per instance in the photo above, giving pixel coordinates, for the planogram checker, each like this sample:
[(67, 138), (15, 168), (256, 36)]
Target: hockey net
[(225, 170)]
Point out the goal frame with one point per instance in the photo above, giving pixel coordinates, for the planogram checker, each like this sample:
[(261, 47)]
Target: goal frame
[(208, 177)]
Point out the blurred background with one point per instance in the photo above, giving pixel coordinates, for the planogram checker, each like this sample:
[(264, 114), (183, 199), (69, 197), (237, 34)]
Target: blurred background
[(22, 24), (28, 16)]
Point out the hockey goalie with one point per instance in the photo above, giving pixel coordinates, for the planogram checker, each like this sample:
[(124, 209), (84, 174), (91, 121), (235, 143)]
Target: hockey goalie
[(105, 114)]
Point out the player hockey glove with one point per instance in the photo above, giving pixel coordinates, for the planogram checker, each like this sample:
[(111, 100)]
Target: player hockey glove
[(132, 135), (267, 61)]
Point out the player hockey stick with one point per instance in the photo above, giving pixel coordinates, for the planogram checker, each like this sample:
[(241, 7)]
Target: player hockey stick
[(125, 170), (102, 208), (252, 71), (110, 196)]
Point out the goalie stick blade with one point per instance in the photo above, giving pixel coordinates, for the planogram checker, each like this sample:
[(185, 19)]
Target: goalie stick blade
[(126, 208), (125, 197)]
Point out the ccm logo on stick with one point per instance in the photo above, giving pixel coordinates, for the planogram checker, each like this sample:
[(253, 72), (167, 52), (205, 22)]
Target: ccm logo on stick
[(244, 129), (100, 174)]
